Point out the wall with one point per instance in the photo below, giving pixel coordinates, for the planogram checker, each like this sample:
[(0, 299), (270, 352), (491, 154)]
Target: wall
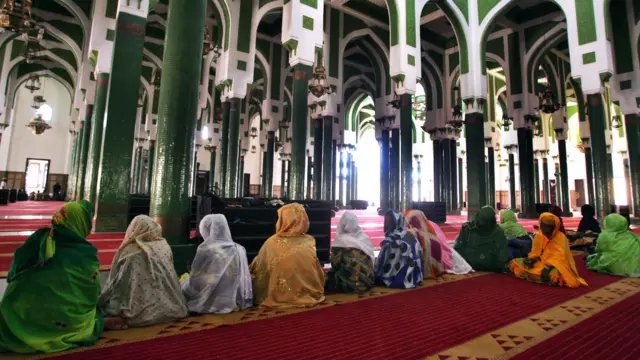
[(18, 143)]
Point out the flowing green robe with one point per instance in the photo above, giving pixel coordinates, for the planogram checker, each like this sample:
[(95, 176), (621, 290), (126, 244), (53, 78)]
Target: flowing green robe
[(51, 300), (482, 243), (617, 250)]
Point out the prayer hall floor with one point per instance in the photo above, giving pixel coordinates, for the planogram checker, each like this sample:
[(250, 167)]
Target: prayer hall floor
[(476, 316)]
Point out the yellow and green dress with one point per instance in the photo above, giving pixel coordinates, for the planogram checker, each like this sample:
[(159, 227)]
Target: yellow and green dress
[(53, 287)]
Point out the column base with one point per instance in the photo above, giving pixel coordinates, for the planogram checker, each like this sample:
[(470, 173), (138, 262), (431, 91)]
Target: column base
[(183, 256), (111, 218)]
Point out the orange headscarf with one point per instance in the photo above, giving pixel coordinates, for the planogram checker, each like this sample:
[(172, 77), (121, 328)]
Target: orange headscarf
[(556, 252), (292, 221)]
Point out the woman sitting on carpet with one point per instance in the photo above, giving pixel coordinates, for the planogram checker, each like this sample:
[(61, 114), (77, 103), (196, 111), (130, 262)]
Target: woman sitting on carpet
[(517, 237), (418, 225), (399, 264), (550, 261), (452, 261), (219, 282), (51, 299), (287, 273), (588, 229), (482, 243), (618, 249), (352, 258), (143, 288)]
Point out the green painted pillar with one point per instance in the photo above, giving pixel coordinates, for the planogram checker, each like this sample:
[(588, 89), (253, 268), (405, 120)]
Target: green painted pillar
[(283, 177), (599, 153), (525, 160), (632, 123), (512, 181), (476, 177), (317, 158), (76, 163), (627, 184), (300, 119), (588, 159), (460, 184), (288, 179), (347, 180), (394, 164), (178, 113), (271, 145), (327, 157), (152, 155), (341, 201), (491, 177), (334, 157), (241, 178), (72, 166), (309, 176), (224, 147), (437, 169), (406, 150), (453, 159), (384, 171), (84, 153), (95, 143), (610, 178), (558, 187), (137, 171), (536, 178), (545, 180), (564, 179), (446, 172), (233, 150), (263, 176), (212, 168), (120, 119)]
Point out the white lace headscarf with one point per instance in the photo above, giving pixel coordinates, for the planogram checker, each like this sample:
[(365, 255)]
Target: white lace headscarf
[(219, 281), (350, 235), (142, 232)]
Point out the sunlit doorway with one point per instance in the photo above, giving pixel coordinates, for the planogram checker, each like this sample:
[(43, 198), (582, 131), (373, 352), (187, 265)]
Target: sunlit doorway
[(37, 171), (368, 162)]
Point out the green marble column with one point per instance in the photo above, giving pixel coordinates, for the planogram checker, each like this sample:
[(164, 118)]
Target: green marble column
[(564, 179), (437, 166), (394, 165), (334, 155), (309, 177), (72, 166), (137, 171), (317, 158), (152, 155), (589, 169), (121, 112), (76, 162), (536, 178), (632, 123), (455, 205), (233, 152), (491, 177), (175, 139), (446, 173), (545, 180), (610, 178), (512, 181), (327, 157), (525, 161), (384, 171), (271, 147), (558, 187), (348, 179), (476, 177), (406, 151), (241, 178), (460, 184), (224, 147), (599, 153), (283, 177), (212, 168), (263, 176), (341, 201), (288, 179), (300, 119), (84, 153)]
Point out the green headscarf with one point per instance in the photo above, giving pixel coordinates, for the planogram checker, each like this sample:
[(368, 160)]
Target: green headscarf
[(618, 249), (482, 243), (510, 226)]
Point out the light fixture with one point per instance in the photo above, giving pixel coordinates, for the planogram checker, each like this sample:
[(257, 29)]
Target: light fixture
[(616, 122), (141, 97), (547, 104), (37, 125), (210, 148), (395, 103), (319, 84), (243, 152), (253, 149), (33, 83), (456, 112), (285, 122), (209, 46), (15, 16), (38, 100), (506, 122), (254, 132)]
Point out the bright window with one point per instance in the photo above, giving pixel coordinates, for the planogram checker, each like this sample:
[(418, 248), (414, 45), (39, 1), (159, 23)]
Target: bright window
[(45, 111)]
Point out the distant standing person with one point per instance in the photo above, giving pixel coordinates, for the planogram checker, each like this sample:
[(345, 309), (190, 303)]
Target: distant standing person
[(3, 184), (56, 191)]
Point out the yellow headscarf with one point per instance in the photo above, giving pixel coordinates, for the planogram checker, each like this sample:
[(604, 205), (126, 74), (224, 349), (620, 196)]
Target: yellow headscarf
[(292, 221)]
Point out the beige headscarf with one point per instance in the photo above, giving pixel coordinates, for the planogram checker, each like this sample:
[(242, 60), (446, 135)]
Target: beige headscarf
[(141, 232)]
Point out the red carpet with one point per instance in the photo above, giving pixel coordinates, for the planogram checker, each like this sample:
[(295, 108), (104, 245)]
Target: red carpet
[(31, 208), (408, 325), (23, 224), (611, 334)]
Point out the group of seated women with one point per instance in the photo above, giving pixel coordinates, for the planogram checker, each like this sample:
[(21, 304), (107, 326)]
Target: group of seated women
[(54, 301)]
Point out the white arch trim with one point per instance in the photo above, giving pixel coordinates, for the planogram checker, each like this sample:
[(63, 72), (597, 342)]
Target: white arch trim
[(354, 79), (156, 60)]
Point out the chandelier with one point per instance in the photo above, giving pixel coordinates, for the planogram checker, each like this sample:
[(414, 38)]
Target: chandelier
[(37, 125), (209, 46), (547, 104), (253, 149), (506, 122), (38, 100), (616, 122), (395, 103), (15, 16), (33, 83), (285, 123), (456, 113), (254, 132), (141, 97), (32, 49), (319, 84)]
